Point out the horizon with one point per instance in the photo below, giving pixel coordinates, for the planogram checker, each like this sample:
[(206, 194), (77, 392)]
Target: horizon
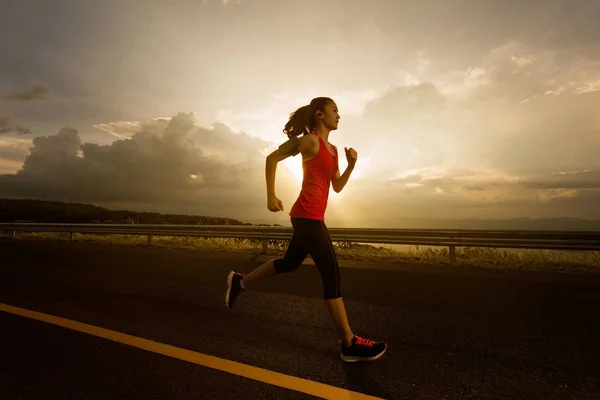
[(453, 117), (524, 223)]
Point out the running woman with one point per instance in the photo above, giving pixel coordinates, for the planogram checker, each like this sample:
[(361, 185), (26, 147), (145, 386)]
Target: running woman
[(320, 165)]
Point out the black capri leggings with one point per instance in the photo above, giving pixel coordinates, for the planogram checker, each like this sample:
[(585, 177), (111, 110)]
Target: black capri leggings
[(312, 237)]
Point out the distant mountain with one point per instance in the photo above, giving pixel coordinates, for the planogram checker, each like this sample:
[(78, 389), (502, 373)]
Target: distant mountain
[(547, 224), (18, 210)]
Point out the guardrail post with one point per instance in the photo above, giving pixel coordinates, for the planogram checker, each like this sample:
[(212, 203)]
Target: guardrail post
[(452, 249), (14, 235), (149, 240), (70, 236), (265, 246)]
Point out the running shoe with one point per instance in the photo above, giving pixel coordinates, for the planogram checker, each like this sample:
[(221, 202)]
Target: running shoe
[(363, 350), (234, 288)]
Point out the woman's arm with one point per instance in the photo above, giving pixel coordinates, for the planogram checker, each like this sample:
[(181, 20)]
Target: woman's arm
[(339, 182), (306, 146)]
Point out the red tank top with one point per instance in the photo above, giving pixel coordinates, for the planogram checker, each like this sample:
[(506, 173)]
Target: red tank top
[(317, 175)]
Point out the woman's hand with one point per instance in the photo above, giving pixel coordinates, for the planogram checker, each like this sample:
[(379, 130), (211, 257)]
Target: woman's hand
[(274, 204), (351, 156)]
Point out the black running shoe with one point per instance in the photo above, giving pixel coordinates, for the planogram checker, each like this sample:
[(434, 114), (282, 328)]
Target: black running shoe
[(234, 288), (363, 350)]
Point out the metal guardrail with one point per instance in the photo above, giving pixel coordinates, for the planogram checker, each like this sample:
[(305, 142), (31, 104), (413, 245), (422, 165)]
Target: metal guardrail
[(550, 240)]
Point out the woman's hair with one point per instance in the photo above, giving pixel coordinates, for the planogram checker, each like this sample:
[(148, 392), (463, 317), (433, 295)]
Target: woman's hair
[(304, 117)]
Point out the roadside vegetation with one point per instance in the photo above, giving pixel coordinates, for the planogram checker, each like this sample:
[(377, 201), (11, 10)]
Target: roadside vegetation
[(40, 211), (490, 258)]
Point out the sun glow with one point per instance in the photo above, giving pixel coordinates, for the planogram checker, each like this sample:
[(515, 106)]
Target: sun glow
[(294, 165)]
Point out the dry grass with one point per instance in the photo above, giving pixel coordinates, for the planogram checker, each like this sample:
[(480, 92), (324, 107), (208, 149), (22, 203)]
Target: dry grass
[(572, 261)]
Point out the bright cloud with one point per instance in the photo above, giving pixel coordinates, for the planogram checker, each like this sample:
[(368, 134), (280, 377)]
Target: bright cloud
[(464, 118), (212, 171)]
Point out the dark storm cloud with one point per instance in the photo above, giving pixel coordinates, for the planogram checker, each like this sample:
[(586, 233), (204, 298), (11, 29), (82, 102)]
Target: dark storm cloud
[(588, 179), (37, 91), (8, 125), (163, 163)]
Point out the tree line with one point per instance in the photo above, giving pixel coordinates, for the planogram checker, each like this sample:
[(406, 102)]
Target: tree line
[(42, 211)]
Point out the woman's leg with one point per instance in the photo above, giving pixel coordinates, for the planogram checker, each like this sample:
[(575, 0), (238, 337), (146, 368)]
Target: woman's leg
[(354, 348), (293, 258), (323, 254), (337, 312), (264, 271)]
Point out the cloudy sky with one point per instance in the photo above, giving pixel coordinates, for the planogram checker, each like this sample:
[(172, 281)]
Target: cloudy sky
[(458, 109)]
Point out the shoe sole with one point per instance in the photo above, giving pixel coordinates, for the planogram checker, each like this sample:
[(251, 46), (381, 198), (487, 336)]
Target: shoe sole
[(229, 281), (359, 359)]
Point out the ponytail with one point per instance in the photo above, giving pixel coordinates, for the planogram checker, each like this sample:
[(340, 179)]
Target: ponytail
[(297, 123), (302, 121)]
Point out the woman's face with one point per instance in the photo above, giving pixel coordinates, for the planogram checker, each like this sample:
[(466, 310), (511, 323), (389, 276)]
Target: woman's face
[(331, 116)]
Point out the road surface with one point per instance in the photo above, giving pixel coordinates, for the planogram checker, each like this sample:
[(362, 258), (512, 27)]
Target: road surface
[(452, 333)]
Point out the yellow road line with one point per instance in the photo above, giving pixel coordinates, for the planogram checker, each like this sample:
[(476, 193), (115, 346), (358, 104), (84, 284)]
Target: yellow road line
[(232, 367)]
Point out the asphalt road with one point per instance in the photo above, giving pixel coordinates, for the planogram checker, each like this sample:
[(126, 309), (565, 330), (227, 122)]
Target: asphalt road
[(452, 333)]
